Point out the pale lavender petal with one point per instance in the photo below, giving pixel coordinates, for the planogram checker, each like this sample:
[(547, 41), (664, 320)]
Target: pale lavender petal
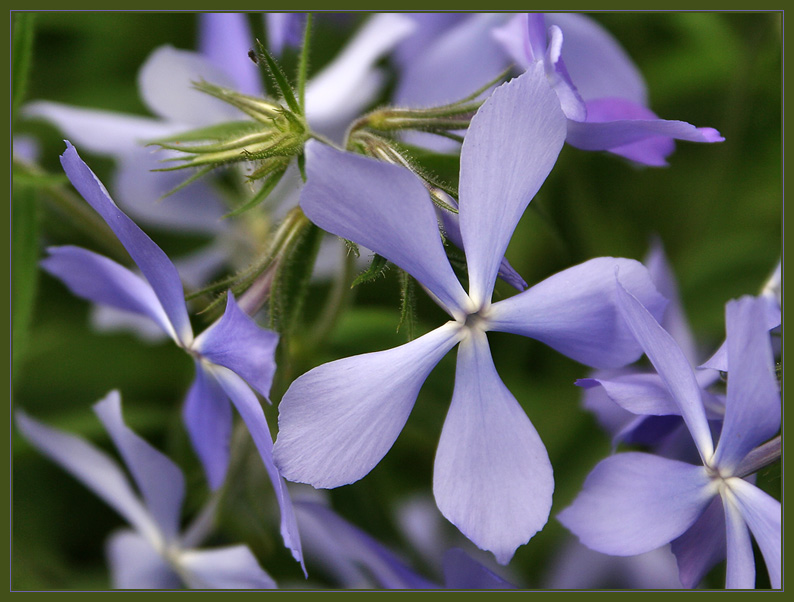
[(101, 280), (428, 27), (344, 88), (135, 564), (752, 410), (462, 60), (101, 132), (570, 101), (104, 318), (254, 417), (159, 480), (740, 568), (514, 38), (451, 226), (773, 318), (675, 321), (208, 419), (151, 259), (25, 148), (702, 545), (595, 60), (633, 131), (644, 394), (505, 158), (579, 567), (762, 513), (198, 207), (671, 364), (338, 420), (350, 554), (461, 571), (165, 84), (492, 476), (575, 312), (240, 344), (232, 567), (92, 467), (383, 207), (283, 30), (632, 503), (225, 39)]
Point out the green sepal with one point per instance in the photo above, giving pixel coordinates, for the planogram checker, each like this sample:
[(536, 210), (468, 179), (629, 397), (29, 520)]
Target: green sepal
[(271, 181), (219, 131), (279, 78), (303, 64), (377, 268), (196, 176)]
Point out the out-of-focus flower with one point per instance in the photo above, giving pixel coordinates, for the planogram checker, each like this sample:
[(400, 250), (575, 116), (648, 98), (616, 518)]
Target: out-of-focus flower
[(634, 502), (231, 356), (155, 553), (492, 476), (356, 560)]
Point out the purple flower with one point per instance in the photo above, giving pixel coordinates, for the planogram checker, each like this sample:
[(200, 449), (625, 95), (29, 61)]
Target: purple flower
[(632, 403), (600, 90), (154, 554), (634, 502), (232, 356), (492, 476), (355, 559)]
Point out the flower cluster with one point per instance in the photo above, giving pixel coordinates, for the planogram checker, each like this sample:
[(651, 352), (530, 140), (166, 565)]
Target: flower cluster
[(419, 150)]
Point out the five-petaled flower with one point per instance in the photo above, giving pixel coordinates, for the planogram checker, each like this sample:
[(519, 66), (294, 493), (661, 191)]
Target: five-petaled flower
[(232, 356), (492, 477), (634, 502)]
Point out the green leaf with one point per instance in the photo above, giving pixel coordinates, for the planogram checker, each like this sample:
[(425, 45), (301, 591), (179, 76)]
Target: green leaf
[(279, 78), (376, 269), (24, 268), (22, 56), (407, 305)]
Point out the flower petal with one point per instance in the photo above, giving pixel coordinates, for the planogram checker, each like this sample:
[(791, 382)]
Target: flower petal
[(752, 410), (348, 84), (241, 345), (632, 503), (135, 564), (165, 84), (461, 571), (350, 554), (674, 321), (338, 420), (633, 131), (384, 208), (492, 476), (208, 419), (103, 281), (575, 312), (643, 394), (740, 569), (459, 62), (151, 259), (596, 62), (225, 39), (506, 155), (101, 132), (702, 545), (762, 513), (159, 480), (232, 567), (672, 366), (254, 417), (92, 467)]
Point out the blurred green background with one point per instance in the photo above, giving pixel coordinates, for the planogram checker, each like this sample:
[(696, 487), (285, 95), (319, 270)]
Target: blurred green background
[(717, 209)]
